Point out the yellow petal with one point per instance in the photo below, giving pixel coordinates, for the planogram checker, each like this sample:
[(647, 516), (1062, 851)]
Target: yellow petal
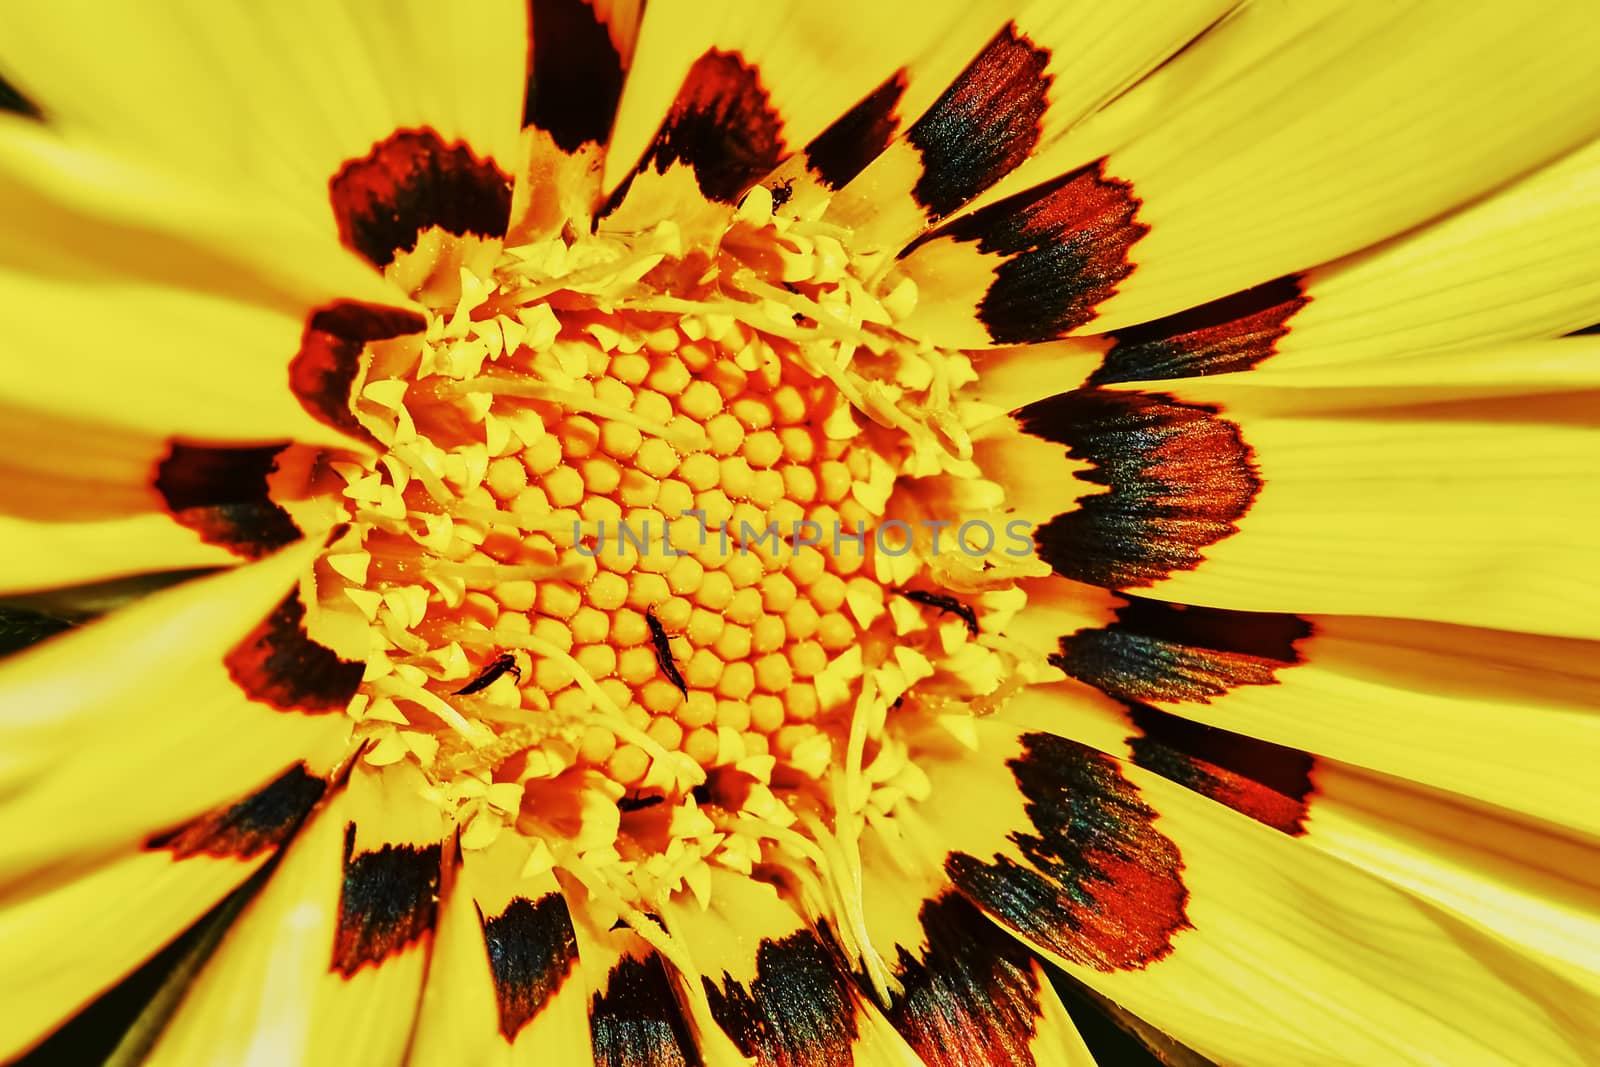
[(158, 712), (1248, 945), (268, 103), (1456, 487), (326, 964), (1290, 135), (504, 986)]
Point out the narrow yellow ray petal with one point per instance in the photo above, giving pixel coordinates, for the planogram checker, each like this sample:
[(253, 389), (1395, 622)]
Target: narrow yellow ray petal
[(84, 935), (814, 61), (126, 726), (1535, 888), (1203, 914), (1052, 65), (1504, 718), (272, 101), (1290, 135), (326, 965), (1449, 486), (506, 960)]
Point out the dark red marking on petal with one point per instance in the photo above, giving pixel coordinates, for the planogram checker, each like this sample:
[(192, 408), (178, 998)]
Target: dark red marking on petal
[(984, 125), (844, 149), (1270, 783), (222, 495), (1105, 888), (323, 371), (798, 1012), (1169, 652), (279, 664), (263, 820), (1180, 477), (636, 1020), (14, 102), (574, 73), (389, 899), (721, 125), (410, 182), (1231, 334), (1068, 241), (972, 988), (532, 950)]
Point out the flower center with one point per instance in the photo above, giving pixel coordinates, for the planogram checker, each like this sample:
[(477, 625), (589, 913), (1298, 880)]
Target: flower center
[(652, 554)]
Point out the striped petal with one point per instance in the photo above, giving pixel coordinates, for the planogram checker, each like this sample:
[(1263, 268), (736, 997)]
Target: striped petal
[(1255, 154), (207, 687), (327, 963)]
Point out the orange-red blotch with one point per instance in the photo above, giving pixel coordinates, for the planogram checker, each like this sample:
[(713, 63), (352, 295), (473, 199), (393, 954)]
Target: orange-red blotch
[(574, 73), (1231, 334), (1180, 476), (389, 900), (859, 136), (984, 125), (1103, 888), (800, 1011), (410, 182), (637, 1019), (222, 495), (532, 949), (1067, 244), (970, 986), (279, 664), (722, 125), (1270, 783), (1168, 652), (263, 820), (323, 371)]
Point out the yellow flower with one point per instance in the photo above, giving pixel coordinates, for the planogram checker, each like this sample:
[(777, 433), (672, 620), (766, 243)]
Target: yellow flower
[(750, 532)]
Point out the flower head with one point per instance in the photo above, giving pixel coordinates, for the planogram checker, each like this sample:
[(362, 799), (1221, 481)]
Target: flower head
[(776, 535)]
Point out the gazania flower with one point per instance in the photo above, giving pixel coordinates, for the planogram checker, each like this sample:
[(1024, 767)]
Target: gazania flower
[(746, 532)]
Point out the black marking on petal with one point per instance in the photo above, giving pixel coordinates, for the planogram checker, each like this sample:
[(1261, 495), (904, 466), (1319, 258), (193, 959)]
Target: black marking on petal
[(324, 370), (1586, 330), (263, 820), (1170, 652), (972, 987), (279, 664), (844, 149), (1231, 334), (389, 899), (532, 950), (636, 1021), (1270, 783), (412, 181), (1180, 479), (1067, 241), (798, 1012), (984, 125), (574, 73), (222, 495), (1104, 888), (13, 101), (722, 125)]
